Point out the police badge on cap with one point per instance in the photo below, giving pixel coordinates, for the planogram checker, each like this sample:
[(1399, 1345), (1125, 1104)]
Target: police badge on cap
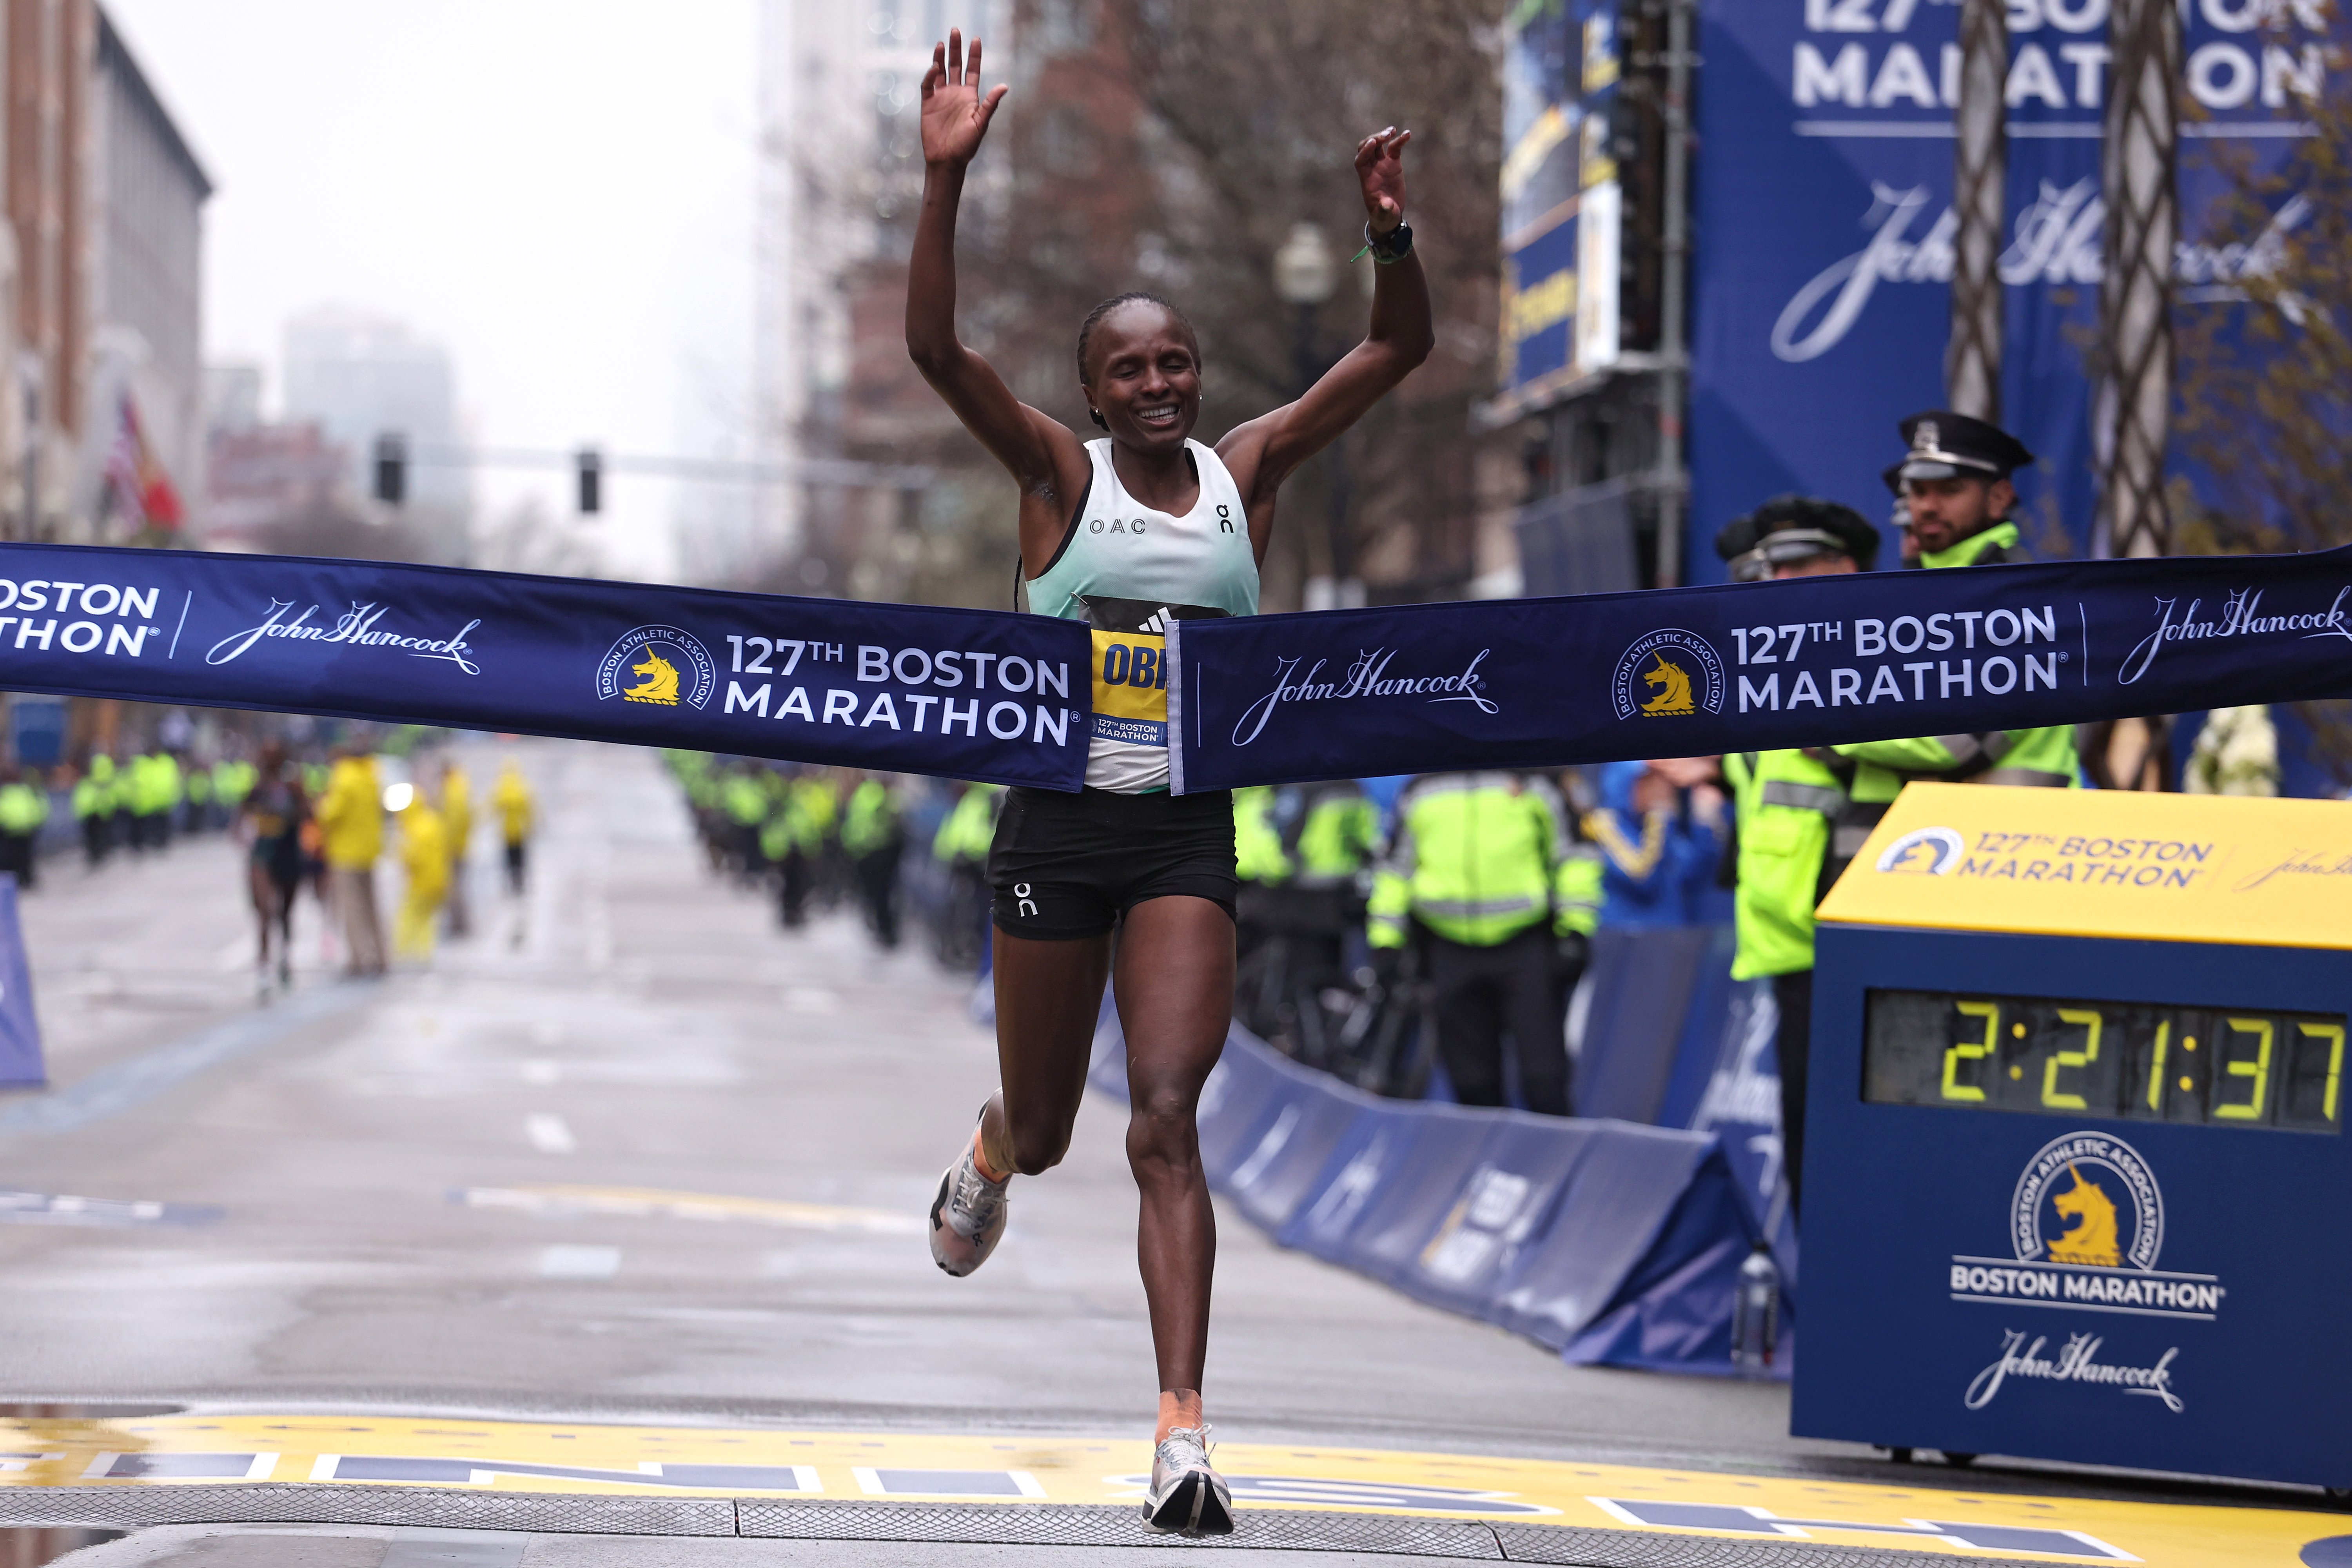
[(1945, 444)]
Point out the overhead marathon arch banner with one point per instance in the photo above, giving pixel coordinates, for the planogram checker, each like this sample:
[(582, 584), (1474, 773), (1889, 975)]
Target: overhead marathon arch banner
[(1807, 661), (967, 694)]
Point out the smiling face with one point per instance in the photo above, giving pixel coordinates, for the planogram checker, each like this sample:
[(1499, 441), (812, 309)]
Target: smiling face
[(1143, 377)]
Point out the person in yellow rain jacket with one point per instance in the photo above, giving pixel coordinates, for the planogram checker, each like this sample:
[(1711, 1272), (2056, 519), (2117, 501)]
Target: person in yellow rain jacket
[(510, 798), (424, 856), (349, 814), (458, 825)]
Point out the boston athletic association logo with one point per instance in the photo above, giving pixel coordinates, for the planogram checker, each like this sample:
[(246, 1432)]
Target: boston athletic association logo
[(2087, 1198), (2087, 1226), (1669, 674), (657, 664), (1924, 852)]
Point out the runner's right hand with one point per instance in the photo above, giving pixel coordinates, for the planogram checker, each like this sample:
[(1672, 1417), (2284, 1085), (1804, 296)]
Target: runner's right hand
[(955, 115)]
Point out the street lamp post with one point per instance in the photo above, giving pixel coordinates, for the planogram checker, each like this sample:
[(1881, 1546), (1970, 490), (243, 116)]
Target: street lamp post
[(1306, 275)]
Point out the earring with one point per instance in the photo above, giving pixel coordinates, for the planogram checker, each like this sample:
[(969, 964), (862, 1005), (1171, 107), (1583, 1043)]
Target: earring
[(1096, 415)]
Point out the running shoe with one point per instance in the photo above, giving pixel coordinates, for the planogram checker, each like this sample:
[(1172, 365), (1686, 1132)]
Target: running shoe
[(968, 1216), (1187, 1496)]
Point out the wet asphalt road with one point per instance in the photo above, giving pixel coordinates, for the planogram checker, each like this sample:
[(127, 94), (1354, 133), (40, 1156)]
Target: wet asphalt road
[(351, 1216)]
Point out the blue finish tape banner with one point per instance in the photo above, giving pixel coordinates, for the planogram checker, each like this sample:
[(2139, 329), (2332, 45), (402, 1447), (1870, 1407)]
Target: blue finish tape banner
[(966, 694), (1750, 666)]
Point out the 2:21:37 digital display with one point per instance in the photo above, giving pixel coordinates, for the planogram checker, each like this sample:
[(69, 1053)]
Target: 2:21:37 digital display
[(2221, 1067)]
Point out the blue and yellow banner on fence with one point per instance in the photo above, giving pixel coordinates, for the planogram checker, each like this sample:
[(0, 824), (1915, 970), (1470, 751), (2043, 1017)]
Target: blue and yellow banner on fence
[(964, 693), (1010, 698)]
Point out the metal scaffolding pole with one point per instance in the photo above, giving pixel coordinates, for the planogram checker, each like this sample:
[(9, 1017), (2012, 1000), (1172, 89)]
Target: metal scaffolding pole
[(1980, 201), (2136, 162), (2136, 174), (1673, 483)]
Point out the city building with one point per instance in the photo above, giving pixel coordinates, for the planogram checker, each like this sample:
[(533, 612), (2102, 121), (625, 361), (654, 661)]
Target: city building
[(45, 126), (1589, 355), (358, 376), (840, 86), (262, 479), (101, 404), (146, 383)]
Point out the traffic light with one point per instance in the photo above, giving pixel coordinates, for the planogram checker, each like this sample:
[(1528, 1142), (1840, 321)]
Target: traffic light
[(591, 467), (391, 469)]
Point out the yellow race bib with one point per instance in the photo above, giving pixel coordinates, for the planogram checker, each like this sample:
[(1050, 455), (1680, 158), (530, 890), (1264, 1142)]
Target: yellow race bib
[(1132, 688)]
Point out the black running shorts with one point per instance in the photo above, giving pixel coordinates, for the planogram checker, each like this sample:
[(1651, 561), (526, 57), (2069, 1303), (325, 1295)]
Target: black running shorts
[(1067, 866)]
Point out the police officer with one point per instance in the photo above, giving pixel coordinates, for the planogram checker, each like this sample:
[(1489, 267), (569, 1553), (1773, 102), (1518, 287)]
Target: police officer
[(1791, 806), (962, 845), (743, 800), (1505, 901), (875, 841), (24, 808), (96, 795), (1955, 481), (1954, 485)]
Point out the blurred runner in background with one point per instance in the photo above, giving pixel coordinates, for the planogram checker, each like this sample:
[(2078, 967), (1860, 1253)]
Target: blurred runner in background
[(425, 857), (24, 806), (510, 798), (350, 825), (457, 823), (269, 823)]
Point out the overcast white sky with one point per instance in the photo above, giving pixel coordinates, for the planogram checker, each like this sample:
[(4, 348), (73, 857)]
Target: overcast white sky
[(560, 192)]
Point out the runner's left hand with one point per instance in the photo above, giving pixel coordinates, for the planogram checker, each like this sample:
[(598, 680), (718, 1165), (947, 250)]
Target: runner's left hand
[(1380, 169)]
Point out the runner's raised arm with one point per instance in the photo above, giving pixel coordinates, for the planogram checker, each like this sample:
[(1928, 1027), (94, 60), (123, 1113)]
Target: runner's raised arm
[(1270, 448), (1042, 454)]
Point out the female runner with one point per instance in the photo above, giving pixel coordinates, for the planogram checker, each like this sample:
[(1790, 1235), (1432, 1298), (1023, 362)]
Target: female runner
[(270, 819), (1127, 532)]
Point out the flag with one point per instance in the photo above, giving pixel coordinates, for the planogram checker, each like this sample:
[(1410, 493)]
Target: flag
[(135, 476)]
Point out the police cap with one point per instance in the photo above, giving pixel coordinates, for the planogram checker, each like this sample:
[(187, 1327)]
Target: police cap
[(1792, 528), (1945, 444)]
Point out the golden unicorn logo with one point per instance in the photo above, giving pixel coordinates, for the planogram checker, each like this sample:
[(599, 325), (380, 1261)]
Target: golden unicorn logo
[(2091, 1236), (1676, 699), (660, 684)]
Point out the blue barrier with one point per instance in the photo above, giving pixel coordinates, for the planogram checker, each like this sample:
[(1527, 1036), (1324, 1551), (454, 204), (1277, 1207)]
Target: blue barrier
[(20, 1028), (1644, 984), (1614, 1242), (1673, 1312)]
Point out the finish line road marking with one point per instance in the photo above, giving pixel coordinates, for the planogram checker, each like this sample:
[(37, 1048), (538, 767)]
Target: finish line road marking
[(640, 1461)]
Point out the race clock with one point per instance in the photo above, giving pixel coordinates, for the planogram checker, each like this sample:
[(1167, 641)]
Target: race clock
[(2074, 1129)]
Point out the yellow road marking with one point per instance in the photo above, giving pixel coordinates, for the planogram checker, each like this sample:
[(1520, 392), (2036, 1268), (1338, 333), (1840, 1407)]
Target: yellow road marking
[(537, 1457), (643, 1202)]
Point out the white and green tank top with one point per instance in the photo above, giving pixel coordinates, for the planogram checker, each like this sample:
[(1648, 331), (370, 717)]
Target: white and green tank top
[(1127, 571)]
